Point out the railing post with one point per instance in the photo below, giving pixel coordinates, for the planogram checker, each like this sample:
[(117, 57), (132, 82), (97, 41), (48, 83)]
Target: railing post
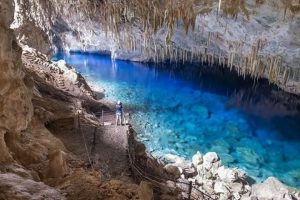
[(94, 138), (102, 117), (78, 121), (190, 190)]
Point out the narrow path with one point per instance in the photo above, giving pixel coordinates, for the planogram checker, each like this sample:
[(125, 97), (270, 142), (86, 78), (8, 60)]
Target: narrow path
[(111, 149), (107, 146)]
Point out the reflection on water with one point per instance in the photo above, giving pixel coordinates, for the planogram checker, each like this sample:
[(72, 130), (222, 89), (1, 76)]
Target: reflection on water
[(182, 109)]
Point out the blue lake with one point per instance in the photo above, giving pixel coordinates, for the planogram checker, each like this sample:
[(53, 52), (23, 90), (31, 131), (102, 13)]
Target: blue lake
[(184, 109)]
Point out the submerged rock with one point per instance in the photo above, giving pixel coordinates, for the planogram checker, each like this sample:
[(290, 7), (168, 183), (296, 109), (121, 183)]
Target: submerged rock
[(249, 155)]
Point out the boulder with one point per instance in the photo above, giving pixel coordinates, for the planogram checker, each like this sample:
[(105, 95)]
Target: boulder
[(271, 188), (189, 172), (177, 161), (230, 175), (221, 187), (211, 157), (140, 149), (145, 191), (208, 186), (236, 187), (207, 165), (57, 166), (211, 161), (197, 159), (172, 170)]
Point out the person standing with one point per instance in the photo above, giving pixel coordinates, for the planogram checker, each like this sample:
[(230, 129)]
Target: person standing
[(119, 113)]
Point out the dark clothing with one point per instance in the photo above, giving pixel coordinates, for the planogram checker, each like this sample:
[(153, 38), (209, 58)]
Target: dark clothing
[(119, 108)]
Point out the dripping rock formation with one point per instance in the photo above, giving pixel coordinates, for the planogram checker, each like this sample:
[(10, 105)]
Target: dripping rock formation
[(39, 97), (257, 38)]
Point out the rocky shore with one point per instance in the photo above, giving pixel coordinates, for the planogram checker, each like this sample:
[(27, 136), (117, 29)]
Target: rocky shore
[(207, 174), (209, 178), (40, 102)]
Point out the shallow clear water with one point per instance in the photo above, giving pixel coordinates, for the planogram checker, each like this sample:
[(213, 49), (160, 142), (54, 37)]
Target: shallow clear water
[(186, 109)]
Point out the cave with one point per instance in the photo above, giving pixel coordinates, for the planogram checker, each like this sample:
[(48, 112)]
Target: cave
[(150, 99)]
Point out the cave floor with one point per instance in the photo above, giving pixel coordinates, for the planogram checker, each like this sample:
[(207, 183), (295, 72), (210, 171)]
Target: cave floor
[(106, 146)]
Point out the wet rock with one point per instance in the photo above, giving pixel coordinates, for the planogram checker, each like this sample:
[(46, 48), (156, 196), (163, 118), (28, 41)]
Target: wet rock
[(227, 158), (219, 149), (200, 110)]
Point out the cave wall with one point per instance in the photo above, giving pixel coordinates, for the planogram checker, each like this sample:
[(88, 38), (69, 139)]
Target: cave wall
[(15, 88), (263, 44), (56, 25), (77, 25)]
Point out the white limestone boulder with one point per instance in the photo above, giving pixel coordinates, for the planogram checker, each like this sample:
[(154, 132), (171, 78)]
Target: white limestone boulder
[(271, 188), (197, 159), (230, 175), (211, 162), (221, 187), (211, 157)]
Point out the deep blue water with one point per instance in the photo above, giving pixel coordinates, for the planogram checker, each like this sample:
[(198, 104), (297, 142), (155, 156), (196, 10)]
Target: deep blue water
[(183, 109)]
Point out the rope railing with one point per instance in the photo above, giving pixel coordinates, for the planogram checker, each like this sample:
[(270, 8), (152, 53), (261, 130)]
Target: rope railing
[(84, 139), (193, 192), (139, 173)]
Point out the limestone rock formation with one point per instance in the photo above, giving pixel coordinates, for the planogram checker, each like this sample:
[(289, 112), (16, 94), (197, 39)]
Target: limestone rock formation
[(44, 91), (30, 98), (57, 166), (220, 182), (145, 191), (15, 97), (272, 188), (197, 159), (258, 38), (13, 186), (172, 170)]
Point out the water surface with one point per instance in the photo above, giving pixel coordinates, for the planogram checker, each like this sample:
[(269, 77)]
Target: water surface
[(183, 109)]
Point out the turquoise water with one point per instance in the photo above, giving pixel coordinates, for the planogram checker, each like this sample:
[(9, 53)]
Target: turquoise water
[(183, 109)]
